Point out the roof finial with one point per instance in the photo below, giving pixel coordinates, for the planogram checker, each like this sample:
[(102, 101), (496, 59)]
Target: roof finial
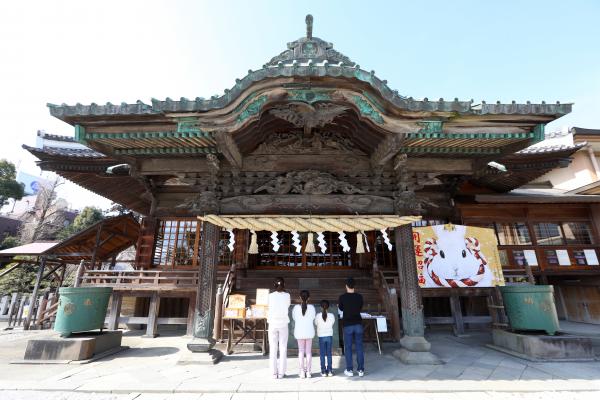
[(309, 26)]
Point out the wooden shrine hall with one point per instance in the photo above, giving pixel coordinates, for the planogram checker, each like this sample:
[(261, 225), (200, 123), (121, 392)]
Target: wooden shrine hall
[(311, 134)]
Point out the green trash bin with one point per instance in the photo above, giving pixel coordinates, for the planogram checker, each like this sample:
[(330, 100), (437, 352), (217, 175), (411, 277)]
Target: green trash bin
[(81, 309), (531, 307)]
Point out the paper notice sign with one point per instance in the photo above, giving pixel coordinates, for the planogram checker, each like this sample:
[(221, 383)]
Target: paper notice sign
[(530, 257), (591, 257), (563, 257), (262, 297), (381, 324)]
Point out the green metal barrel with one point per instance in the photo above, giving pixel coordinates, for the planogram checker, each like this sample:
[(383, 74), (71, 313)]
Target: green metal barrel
[(531, 307), (81, 309)]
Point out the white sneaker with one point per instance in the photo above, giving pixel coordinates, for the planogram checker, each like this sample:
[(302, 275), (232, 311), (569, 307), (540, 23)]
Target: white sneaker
[(348, 373), (302, 375), (308, 375), (323, 374), (361, 373), (330, 373)]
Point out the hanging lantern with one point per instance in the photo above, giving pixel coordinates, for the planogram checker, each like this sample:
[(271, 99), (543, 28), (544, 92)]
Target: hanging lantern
[(310, 244), (253, 244), (275, 241), (360, 249), (321, 240)]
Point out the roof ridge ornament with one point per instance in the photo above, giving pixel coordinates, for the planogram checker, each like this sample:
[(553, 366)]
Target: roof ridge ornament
[(309, 26)]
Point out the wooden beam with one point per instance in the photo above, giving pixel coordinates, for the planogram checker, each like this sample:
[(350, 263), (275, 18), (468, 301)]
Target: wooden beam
[(36, 288), (449, 165), (115, 311), (229, 149), (459, 326), (152, 316), (387, 149)]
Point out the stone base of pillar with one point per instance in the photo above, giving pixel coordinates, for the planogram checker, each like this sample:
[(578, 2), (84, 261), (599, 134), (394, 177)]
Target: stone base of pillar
[(210, 357), (203, 352), (416, 350), (416, 357), (415, 343)]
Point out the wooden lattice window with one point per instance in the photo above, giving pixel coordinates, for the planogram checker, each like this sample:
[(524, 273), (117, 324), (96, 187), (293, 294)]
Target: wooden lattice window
[(176, 243), (287, 256), (578, 233), (225, 255)]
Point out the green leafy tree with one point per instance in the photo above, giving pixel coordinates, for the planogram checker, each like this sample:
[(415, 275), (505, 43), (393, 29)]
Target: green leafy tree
[(86, 218), (9, 242), (9, 187)]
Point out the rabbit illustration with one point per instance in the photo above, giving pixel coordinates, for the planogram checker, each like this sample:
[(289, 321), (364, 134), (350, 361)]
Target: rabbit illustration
[(454, 260)]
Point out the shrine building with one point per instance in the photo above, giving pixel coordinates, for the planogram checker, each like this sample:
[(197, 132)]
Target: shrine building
[(314, 169)]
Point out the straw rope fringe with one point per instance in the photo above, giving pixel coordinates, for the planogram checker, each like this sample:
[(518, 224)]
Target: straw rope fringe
[(308, 223)]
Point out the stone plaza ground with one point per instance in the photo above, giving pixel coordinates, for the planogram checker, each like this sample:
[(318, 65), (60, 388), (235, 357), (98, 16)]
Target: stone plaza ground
[(149, 369)]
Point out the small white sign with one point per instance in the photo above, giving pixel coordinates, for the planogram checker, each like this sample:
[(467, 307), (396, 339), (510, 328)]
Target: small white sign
[(563, 257), (591, 257), (381, 324), (530, 257)]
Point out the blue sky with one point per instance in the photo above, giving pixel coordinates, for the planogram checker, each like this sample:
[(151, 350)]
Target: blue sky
[(79, 51)]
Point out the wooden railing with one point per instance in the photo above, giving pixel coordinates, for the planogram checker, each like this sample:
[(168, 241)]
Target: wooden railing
[(17, 307), (222, 295), (390, 302), (143, 279)]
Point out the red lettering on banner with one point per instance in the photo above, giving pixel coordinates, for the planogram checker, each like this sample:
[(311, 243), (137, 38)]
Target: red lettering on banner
[(417, 237), (418, 251)]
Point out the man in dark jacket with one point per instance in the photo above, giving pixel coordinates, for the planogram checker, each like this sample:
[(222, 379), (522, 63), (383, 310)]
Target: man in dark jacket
[(351, 303)]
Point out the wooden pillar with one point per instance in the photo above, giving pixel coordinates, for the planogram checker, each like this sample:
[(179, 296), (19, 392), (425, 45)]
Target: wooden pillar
[(152, 316), (190, 316), (96, 243), (11, 307), (79, 274), (206, 293), (36, 288), (218, 313), (115, 311), (459, 326), (415, 349), (411, 301)]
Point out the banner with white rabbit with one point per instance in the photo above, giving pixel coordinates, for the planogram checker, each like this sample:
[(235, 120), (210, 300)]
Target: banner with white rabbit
[(457, 256)]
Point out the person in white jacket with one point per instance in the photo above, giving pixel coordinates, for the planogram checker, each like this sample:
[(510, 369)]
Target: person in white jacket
[(324, 323), (278, 319), (304, 331)]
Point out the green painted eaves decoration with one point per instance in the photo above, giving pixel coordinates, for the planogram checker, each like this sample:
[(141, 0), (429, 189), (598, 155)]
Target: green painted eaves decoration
[(308, 96), (157, 151), (252, 109), (366, 109)]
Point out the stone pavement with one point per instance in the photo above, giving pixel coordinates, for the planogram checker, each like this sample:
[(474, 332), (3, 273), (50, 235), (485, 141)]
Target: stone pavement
[(150, 370)]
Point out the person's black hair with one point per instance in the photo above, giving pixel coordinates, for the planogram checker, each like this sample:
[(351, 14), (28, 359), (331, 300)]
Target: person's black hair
[(304, 295), (350, 283), (324, 307), (279, 284)]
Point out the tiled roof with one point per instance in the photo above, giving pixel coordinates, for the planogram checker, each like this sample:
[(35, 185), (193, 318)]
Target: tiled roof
[(59, 138), (585, 131), (65, 152), (551, 149), (307, 57)]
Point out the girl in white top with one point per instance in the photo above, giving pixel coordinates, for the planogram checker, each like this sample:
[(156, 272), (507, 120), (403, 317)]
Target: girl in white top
[(324, 323), (278, 319), (304, 331)]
